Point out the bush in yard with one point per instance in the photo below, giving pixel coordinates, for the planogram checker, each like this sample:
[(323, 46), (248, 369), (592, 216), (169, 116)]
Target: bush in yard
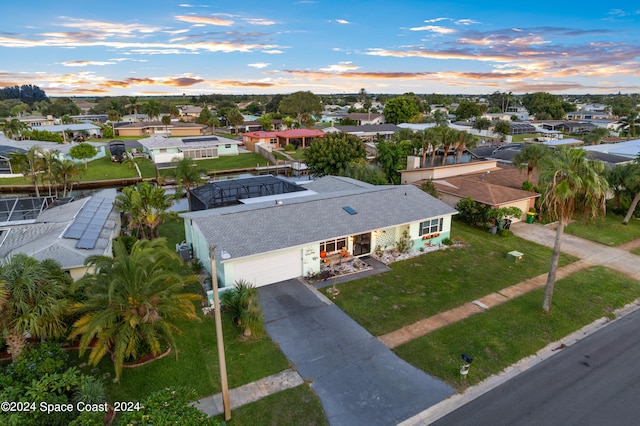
[(242, 302), (169, 406)]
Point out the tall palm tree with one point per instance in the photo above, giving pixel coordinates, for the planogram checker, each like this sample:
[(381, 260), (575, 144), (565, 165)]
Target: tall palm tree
[(34, 300), (14, 127), (30, 164), (133, 105), (51, 161), (66, 172), (448, 137), (133, 299), (573, 185), (152, 108), (465, 140), (530, 156), (187, 173)]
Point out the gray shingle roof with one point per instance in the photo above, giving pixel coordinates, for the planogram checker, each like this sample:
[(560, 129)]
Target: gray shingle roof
[(247, 230)]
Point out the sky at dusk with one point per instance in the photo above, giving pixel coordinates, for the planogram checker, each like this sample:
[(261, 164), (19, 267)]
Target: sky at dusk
[(73, 48)]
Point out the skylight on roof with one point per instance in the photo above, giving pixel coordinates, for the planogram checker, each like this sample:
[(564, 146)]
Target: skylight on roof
[(349, 210)]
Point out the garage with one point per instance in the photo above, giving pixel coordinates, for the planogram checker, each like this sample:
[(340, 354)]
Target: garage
[(269, 268)]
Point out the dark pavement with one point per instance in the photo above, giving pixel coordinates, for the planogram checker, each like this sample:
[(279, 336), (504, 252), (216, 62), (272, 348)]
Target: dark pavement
[(358, 379), (593, 382)]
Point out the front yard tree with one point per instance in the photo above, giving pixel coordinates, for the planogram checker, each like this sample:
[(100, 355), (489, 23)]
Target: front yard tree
[(401, 109), (572, 185), (304, 106), (502, 128), (235, 118), (332, 153), (133, 301), (631, 181), (145, 207), (35, 300), (83, 151)]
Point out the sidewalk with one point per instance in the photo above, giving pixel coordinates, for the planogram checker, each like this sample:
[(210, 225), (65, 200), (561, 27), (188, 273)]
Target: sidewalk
[(251, 392)]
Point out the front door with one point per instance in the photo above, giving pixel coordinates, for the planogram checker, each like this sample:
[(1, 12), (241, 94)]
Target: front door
[(362, 244)]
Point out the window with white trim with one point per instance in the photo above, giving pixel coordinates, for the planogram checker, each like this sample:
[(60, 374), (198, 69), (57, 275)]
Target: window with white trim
[(431, 226), (332, 246)]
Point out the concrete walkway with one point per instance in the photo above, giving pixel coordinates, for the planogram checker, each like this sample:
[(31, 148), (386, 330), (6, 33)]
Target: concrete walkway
[(251, 392)]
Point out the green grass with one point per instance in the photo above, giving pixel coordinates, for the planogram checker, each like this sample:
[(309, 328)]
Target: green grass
[(228, 162), (298, 154), (438, 281), (104, 169), (607, 230), (147, 168), (521, 138), (296, 406), (501, 336), (197, 364), (173, 230)]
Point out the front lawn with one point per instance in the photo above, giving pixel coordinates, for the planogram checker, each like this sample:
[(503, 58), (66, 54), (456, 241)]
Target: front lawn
[(507, 333), (607, 230), (438, 281), (104, 169), (296, 406)]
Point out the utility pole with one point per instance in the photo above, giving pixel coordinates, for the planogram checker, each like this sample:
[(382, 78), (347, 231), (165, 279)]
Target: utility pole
[(218, 319)]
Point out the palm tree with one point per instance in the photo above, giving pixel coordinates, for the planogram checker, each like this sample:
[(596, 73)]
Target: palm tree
[(631, 182), (465, 140), (187, 173), (448, 136), (30, 164), (14, 127), (33, 296), (630, 123), (133, 105), (572, 184), (145, 207), (66, 173), (133, 301), (235, 118), (166, 120), (595, 136), (51, 160), (246, 312), (530, 157), (152, 108)]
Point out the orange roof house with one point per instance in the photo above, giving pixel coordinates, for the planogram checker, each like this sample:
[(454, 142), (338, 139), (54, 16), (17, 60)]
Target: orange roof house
[(299, 137)]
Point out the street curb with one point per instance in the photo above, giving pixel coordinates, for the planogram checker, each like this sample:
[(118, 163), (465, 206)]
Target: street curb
[(449, 405)]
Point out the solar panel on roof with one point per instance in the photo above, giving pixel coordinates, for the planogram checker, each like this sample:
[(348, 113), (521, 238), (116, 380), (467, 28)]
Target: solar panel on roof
[(207, 139), (88, 224)]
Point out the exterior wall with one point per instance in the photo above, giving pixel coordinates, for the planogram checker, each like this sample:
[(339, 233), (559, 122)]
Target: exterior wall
[(310, 259), (165, 157), (232, 150), (442, 172), (185, 131), (129, 132), (524, 205)]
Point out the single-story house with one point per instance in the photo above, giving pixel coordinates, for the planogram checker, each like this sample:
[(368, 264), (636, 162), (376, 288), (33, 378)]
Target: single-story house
[(366, 118), (175, 129), (11, 145), (367, 133), (163, 150), (280, 139), (67, 234), (74, 130), (282, 238)]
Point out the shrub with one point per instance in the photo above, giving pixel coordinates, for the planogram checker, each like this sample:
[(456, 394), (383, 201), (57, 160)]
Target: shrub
[(404, 244), (505, 233), (447, 242), (242, 302), (527, 186), (290, 148)]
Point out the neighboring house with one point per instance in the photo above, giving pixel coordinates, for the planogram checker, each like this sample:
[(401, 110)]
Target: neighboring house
[(588, 115), (629, 149), (189, 112), (63, 148), (281, 238), (496, 188), (366, 118), (91, 118), (519, 111), (5, 158), (280, 139), (37, 120), (163, 150), (67, 234), (175, 129), (73, 131), (134, 118), (368, 133), (576, 127)]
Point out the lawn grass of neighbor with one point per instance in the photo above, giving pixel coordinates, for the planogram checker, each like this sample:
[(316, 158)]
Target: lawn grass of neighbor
[(147, 168), (507, 333), (423, 286), (607, 230), (228, 162), (104, 169), (291, 407)]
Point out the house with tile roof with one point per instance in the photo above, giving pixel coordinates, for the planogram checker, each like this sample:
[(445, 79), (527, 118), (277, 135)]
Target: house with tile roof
[(267, 240), (175, 129), (280, 139)]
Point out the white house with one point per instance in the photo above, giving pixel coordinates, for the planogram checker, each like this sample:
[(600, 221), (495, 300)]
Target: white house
[(163, 150), (264, 242)]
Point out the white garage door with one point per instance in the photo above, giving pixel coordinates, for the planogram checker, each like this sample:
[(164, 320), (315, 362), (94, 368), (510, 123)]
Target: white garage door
[(269, 269)]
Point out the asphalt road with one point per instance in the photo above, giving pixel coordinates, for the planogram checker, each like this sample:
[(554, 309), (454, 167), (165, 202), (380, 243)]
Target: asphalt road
[(593, 382)]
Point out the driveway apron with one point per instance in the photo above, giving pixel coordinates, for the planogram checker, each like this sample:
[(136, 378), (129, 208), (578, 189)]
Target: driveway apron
[(358, 379)]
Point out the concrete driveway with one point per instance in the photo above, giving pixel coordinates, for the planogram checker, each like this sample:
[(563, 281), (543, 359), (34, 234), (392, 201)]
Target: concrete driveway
[(358, 379)]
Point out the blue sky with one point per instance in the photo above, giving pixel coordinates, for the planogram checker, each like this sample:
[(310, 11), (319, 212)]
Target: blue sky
[(73, 48)]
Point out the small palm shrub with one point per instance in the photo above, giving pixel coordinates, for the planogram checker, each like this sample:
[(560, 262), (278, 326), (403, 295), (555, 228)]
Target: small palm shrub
[(242, 303)]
